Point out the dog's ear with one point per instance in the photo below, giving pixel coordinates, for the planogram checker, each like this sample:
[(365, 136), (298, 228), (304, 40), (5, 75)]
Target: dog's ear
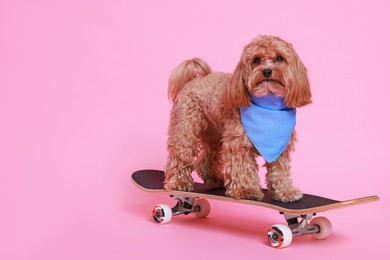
[(298, 92), (236, 94)]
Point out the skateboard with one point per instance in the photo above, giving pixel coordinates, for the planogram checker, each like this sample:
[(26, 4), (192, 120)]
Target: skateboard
[(299, 214)]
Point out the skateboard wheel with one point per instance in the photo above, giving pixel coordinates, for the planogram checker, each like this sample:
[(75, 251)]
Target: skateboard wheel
[(162, 214), (280, 236), (201, 208), (324, 225)]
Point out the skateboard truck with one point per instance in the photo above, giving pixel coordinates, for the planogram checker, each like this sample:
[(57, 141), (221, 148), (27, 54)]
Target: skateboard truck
[(162, 213), (184, 205), (302, 227), (281, 235)]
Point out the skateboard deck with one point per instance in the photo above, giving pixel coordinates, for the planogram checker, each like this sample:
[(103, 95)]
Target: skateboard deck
[(296, 213), (152, 181)]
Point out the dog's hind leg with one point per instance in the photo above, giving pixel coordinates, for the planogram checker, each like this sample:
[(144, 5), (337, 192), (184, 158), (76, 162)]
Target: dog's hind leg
[(209, 165), (186, 124)]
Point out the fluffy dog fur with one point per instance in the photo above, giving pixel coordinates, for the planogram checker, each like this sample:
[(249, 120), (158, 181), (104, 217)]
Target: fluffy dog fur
[(205, 131)]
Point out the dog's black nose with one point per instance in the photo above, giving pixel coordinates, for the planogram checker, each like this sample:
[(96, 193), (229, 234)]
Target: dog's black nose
[(267, 73)]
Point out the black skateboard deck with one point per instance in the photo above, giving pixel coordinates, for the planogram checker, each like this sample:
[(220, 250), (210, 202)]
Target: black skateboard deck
[(152, 181), (296, 213)]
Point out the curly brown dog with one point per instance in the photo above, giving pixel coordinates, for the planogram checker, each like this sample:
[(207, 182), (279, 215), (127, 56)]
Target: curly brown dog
[(213, 113)]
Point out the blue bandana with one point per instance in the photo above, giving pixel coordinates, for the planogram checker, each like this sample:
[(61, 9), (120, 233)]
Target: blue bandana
[(269, 123)]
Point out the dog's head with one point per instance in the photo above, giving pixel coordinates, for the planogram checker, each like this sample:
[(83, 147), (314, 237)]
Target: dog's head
[(269, 66)]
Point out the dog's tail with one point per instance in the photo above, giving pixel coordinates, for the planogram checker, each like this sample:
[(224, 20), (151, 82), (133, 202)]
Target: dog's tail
[(185, 72)]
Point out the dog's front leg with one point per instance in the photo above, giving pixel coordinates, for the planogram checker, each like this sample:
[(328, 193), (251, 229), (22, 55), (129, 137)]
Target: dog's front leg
[(241, 169), (279, 182)]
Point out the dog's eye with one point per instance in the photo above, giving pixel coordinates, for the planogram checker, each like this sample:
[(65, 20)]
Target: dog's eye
[(279, 59), (256, 61)]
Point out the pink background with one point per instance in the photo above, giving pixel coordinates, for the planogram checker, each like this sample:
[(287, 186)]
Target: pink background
[(83, 104)]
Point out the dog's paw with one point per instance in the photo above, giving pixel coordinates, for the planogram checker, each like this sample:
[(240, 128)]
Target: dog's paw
[(260, 198), (179, 185), (245, 194), (287, 195)]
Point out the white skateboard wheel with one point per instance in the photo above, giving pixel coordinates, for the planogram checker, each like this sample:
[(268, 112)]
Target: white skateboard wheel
[(162, 214), (201, 208), (280, 236), (324, 225)]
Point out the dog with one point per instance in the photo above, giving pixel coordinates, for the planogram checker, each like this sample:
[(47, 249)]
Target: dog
[(221, 122)]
